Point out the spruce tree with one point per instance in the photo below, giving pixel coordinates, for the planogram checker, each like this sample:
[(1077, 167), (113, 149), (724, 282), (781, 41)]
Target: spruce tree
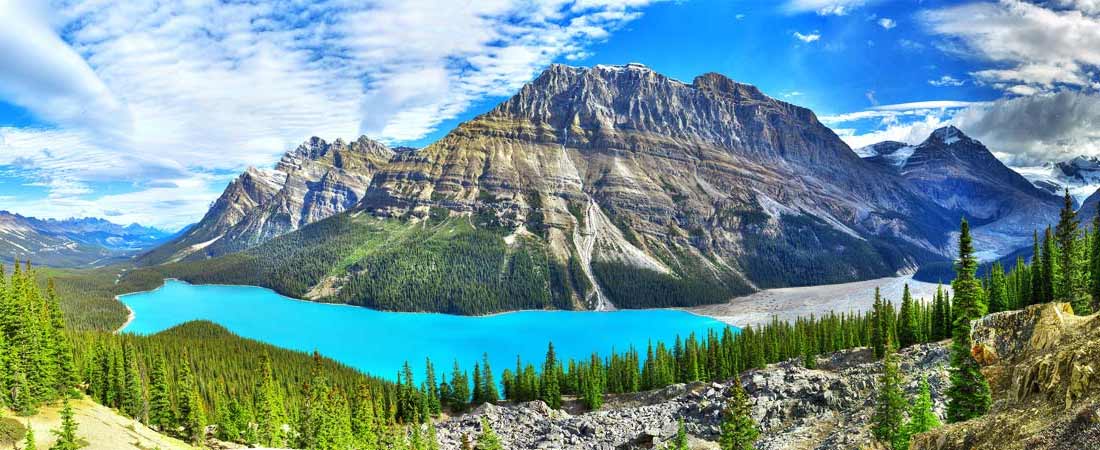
[(488, 439), (66, 435), (998, 294), (268, 404), (921, 416), (968, 396), (879, 333), (738, 429), (888, 419), (489, 387), (551, 392), (908, 331), (363, 426), (191, 418), (161, 416), (680, 442)]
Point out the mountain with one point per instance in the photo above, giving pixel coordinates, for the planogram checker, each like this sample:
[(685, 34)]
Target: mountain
[(611, 186), (1081, 175), (963, 176), (73, 242), (310, 183)]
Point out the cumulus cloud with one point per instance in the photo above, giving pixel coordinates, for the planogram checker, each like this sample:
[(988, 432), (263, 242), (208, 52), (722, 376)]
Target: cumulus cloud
[(170, 91), (887, 23), (807, 38), (1039, 46), (1023, 131)]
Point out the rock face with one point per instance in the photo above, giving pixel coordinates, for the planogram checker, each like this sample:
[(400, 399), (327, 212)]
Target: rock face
[(962, 175), (826, 408), (710, 180), (1041, 364), (73, 242), (313, 182)]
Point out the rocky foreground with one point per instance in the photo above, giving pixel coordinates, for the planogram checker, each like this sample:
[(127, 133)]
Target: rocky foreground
[(797, 408), (1042, 366), (1041, 363)]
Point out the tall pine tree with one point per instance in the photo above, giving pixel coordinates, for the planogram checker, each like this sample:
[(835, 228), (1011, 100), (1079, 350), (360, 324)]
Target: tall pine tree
[(968, 396)]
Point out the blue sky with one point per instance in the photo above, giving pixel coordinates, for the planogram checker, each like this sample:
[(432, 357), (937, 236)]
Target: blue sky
[(142, 111)]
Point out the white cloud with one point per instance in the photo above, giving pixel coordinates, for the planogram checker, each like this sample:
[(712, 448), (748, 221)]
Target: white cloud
[(825, 7), (807, 38), (1023, 131), (1038, 46), (174, 90), (946, 80), (887, 23)]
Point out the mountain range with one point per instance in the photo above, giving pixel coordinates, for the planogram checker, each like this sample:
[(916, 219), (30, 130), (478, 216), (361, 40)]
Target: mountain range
[(604, 187), (84, 242)]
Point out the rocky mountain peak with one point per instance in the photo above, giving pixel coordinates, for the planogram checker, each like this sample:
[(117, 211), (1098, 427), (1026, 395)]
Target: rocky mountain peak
[(949, 135), (723, 85)]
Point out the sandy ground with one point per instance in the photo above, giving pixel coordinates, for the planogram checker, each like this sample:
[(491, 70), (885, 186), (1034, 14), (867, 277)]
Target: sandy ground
[(790, 303), (101, 427)]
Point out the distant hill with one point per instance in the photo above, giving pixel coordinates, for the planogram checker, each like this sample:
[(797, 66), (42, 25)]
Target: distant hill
[(85, 242)]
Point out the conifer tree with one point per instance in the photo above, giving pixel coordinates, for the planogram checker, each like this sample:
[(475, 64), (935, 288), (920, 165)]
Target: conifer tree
[(133, 398), (738, 429), (363, 426), (270, 415), (161, 416), (968, 396), (431, 390), (921, 416), (489, 388), (66, 435), (879, 333), (551, 393), (460, 387), (479, 386), (887, 423), (1037, 271), (998, 294), (681, 440), (191, 418), (488, 439), (908, 331)]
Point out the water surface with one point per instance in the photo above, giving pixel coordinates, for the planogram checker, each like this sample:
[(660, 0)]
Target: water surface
[(379, 342)]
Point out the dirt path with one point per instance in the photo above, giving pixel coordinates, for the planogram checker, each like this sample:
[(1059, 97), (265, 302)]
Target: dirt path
[(790, 303)]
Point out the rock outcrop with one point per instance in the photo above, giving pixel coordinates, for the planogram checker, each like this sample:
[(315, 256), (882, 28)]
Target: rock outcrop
[(1041, 364), (826, 408), (310, 183)]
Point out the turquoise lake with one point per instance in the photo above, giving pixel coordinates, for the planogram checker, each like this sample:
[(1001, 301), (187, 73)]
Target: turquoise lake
[(378, 342)]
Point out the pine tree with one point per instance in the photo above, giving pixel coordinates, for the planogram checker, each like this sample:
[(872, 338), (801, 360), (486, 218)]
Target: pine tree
[(968, 396), (489, 387), (921, 416), (738, 429), (681, 440), (908, 331), (268, 404), (133, 399), (363, 426), (888, 419), (488, 439), (431, 389), (190, 405), (460, 387), (551, 392), (66, 435), (998, 294), (161, 416), (879, 333)]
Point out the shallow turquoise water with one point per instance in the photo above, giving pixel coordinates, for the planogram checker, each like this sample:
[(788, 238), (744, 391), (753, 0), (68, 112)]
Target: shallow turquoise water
[(379, 342)]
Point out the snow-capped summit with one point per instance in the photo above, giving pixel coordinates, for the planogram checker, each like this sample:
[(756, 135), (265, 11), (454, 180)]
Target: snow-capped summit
[(1080, 174)]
